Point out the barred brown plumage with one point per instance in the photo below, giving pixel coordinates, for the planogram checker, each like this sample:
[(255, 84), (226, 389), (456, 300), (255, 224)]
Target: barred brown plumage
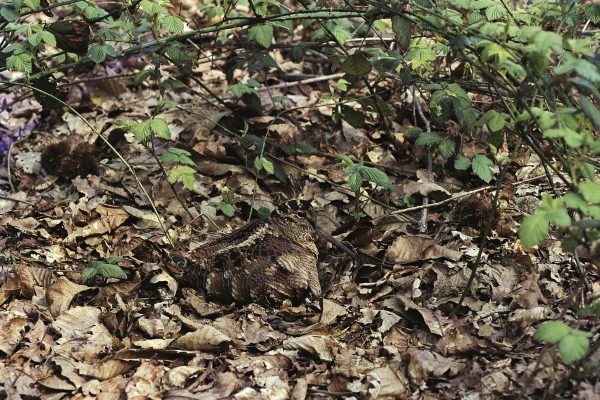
[(265, 261)]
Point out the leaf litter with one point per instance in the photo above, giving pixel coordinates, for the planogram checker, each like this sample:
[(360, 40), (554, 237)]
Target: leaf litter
[(387, 326)]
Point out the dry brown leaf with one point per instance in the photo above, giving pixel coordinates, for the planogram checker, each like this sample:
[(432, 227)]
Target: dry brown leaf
[(12, 325), (388, 320), (321, 347), (26, 281), (60, 294), (529, 294), (424, 363), (300, 390), (178, 376), (434, 320), (110, 293), (9, 289), (82, 333), (55, 383), (331, 311), (205, 338), (106, 369), (387, 382), (145, 381), (457, 342), (26, 225), (409, 249), (69, 370), (110, 218)]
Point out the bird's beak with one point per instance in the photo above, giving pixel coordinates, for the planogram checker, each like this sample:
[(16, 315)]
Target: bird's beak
[(337, 244)]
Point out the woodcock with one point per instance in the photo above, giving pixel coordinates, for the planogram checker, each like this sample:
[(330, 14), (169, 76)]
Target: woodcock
[(265, 261)]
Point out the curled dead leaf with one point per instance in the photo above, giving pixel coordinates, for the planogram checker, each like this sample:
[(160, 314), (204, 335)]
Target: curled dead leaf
[(205, 338), (321, 347), (409, 249), (424, 363), (12, 325), (60, 294)]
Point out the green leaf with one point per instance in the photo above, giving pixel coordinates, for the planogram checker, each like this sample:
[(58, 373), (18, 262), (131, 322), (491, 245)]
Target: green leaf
[(175, 155), (559, 216), (357, 64), (188, 181), (172, 23), (353, 117), (42, 37), (447, 148), (262, 34), (33, 4), (342, 84), (141, 131), (428, 139), (494, 120), (590, 191), (551, 332), (88, 274), (20, 63), (99, 52), (463, 109), (111, 270), (266, 60), (355, 182), (150, 7), (240, 89), (590, 111), (227, 209), (573, 348), (142, 75), (297, 54), (374, 175), (263, 163), (9, 13), (268, 165), (462, 163), (160, 128), (114, 259), (534, 229), (345, 159), (47, 38), (402, 27), (495, 11), (571, 137), (420, 56), (413, 132), (592, 11), (482, 167), (185, 174), (214, 11)]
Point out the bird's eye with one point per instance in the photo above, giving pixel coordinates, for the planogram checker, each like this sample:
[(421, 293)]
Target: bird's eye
[(302, 214)]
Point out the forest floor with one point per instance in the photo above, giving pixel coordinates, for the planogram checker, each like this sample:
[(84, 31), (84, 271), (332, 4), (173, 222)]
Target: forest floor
[(387, 326)]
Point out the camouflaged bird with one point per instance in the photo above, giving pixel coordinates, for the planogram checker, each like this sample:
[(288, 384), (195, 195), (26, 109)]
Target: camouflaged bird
[(265, 261)]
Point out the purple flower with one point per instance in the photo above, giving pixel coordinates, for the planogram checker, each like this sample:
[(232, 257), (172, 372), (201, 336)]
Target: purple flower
[(5, 142)]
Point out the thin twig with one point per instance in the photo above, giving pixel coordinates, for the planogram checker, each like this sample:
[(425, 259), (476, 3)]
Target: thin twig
[(16, 200), (461, 195), (423, 220), (284, 85), (8, 172)]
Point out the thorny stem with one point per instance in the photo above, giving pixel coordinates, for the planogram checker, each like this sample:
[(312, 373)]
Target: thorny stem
[(423, 221), (312, 14)]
